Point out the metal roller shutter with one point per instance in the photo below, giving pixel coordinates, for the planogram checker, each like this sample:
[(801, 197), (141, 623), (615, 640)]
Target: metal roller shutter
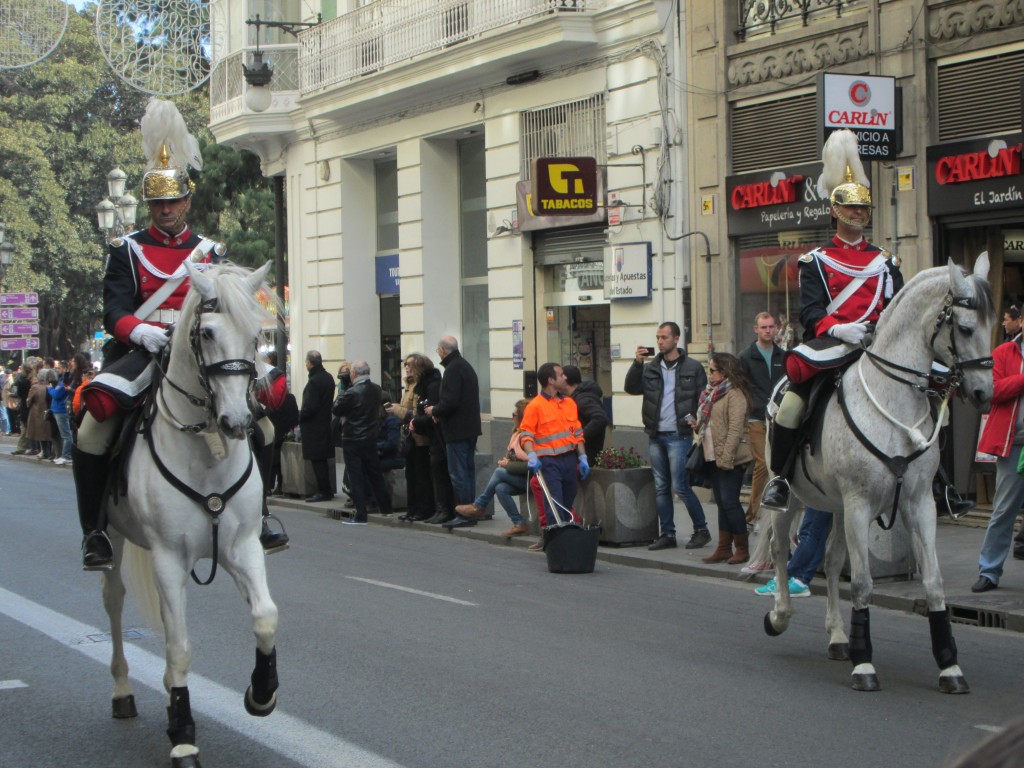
[(980, 97), (773, 134), (568, 246)]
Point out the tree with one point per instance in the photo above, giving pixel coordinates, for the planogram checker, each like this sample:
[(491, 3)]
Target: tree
[(64, 123)]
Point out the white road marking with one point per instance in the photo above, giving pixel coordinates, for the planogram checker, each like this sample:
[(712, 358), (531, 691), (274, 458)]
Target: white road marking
[(411, 591), (990, 728), (6, 685), (288, 736)]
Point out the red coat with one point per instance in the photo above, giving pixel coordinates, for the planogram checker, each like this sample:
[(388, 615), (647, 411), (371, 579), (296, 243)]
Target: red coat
[(1007, 388)]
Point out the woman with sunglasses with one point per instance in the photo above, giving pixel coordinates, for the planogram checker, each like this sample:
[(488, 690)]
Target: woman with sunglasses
[(721, 429), (418, 483)]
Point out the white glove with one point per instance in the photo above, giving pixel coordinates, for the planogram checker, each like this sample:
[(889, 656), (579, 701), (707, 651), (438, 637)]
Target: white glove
[(149, 336), (851, 333)]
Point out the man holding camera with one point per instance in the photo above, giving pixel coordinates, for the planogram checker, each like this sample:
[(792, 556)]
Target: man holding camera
[(670, 383)]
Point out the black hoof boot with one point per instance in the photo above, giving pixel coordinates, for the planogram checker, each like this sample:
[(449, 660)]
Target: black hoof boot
[(123, 708), (953, 684), (839, 651), (865, 682), (97, 553), (769, 628)]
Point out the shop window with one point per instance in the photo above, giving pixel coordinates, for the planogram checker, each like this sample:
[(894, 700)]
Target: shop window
[(475, 341)]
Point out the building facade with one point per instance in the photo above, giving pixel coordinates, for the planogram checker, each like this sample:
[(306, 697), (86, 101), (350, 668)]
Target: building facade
[(949, 189), (407, 133)]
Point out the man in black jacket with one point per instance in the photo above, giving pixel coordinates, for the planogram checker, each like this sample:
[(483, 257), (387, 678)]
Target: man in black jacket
[(458, 413), (361, 406), (590, 410), (671, 383), (315, 424), (763, 362)]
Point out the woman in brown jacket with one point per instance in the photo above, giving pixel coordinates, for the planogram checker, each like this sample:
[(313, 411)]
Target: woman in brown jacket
[(723, 407), (38, 430), (418, 483)]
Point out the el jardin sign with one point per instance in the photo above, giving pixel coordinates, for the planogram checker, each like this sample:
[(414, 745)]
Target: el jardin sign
[(975, 176)]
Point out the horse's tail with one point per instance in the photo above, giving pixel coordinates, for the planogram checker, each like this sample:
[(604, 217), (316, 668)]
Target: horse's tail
[(137, 572)]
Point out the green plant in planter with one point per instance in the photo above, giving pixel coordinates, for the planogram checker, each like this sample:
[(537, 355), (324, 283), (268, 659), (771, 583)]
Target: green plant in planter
[(618, 458)]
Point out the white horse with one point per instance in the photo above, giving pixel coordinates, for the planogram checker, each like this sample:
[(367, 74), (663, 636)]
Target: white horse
[(194, 492), (879, 457)]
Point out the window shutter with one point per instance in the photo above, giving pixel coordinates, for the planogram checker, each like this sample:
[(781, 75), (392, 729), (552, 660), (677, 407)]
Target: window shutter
[(980, 97), (774, 133)]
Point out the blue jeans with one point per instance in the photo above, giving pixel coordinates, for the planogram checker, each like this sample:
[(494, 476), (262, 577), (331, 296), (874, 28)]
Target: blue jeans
[(504, 485), (725, 485), (668, 462), (462, 469), (5, 424), (1005, 506), (562, 480), (64, 425), (810, 550)]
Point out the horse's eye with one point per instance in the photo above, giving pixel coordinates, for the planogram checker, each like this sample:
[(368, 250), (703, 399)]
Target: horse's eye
[(206, 334), (965, 330)]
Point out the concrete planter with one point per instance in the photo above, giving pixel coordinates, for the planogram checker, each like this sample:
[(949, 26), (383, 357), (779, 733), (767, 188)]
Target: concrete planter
[(297, 475), (621, 501)]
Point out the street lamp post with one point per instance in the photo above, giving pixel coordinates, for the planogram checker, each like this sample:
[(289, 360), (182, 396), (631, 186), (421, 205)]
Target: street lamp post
[(6, 251), (116, 214)]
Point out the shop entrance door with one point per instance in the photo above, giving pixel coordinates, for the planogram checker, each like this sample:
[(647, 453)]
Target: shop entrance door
[(579, 335)]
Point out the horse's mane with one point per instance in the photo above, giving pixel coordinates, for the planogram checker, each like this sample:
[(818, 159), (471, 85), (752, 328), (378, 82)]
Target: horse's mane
[(981, 292), (233, 296)]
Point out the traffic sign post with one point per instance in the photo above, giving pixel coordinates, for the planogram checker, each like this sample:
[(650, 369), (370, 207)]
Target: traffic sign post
[(19, 329), (8, 299), (19, 313), (25, 342)]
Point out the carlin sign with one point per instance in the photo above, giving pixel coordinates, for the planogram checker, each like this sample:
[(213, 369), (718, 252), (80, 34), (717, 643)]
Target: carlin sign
[(868, 106), (565, 186)]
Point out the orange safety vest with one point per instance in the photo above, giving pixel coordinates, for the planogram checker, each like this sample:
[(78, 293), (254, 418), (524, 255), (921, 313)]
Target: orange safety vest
[(552, 424)]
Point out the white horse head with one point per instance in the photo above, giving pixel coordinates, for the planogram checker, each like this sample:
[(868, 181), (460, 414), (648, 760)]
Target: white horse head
[(218, 336), (964, 342)]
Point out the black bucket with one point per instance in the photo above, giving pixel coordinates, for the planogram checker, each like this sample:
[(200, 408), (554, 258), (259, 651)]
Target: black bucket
[(571, 548)]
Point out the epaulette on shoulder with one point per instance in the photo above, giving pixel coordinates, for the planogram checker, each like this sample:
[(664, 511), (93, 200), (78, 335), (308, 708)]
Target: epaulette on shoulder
[(808, 257), (220, 249), (117, 242)]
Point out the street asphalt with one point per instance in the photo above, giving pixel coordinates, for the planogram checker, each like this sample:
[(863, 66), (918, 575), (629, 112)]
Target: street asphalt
[(957, 543)]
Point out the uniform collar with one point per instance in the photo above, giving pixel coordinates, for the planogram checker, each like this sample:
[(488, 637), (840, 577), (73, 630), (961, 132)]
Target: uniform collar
[(174, 240), (860, 245)]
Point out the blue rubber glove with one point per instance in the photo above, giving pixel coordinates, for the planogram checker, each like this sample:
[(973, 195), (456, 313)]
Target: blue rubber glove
[(584, 466), (532, 462)]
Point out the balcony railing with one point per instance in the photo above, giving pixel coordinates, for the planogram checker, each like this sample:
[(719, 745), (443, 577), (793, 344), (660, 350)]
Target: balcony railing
[(389, 31), (766, 17), (227, 82)]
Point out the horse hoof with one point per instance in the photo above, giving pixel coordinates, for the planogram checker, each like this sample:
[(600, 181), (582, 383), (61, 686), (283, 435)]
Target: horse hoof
[(124, 707), (256, 709), (839, 651), (865, 682), (769, 628), (954, 684), (187, 761)]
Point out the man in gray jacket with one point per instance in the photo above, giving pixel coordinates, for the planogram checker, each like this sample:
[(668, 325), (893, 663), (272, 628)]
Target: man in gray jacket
[(670, 383)]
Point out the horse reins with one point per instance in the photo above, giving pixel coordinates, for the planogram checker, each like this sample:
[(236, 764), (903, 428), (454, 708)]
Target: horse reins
[(213, 504), (898, 464)]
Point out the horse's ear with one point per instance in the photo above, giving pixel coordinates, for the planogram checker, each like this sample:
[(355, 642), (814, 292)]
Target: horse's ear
[(199, 281), (981, 266), (257, 278)]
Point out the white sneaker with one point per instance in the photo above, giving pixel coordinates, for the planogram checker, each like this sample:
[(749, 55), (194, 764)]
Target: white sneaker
[(755, 568), (60, 462)]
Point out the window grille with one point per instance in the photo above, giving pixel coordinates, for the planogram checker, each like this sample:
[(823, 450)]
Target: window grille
[(574, 129)]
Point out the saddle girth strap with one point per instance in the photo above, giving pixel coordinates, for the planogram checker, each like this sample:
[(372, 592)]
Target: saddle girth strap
[(213, 503), (896, 464)]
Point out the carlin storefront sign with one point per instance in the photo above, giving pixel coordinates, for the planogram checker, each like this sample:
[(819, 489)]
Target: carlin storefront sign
[(772, 201), (564, 186), (868, 106), (975, 176)]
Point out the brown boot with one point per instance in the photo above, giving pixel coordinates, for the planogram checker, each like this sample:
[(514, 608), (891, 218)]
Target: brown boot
[(724, 550), (742, 550), (472, 511)]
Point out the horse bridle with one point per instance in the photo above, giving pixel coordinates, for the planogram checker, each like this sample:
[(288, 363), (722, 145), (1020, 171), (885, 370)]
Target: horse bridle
[(950, 383), (231, 367), (213, 503)]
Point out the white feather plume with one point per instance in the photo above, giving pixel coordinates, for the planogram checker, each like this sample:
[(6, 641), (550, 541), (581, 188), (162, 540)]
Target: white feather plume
[(840, 151), (163, 124)]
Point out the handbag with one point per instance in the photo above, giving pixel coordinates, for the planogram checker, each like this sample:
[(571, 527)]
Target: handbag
[(48, 416), (697, 466), (405, 441)]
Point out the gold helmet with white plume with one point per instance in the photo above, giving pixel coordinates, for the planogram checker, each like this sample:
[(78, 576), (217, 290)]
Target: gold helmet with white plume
[(169, 149), (843, 180)]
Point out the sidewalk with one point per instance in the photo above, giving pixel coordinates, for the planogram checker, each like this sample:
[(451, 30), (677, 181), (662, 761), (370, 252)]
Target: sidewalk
[(957, 545)]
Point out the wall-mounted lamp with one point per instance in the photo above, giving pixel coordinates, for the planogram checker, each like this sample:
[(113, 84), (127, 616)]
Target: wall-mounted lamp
[(523, 77), (258, 76), (503, 228)]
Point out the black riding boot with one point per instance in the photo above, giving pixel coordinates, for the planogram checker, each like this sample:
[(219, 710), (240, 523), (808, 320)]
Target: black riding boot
[(272, 541), (91, 474), (785, 442)]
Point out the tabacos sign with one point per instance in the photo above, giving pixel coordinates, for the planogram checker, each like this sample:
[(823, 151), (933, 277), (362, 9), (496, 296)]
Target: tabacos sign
[(564, 186), (975, 176), (866, 105)]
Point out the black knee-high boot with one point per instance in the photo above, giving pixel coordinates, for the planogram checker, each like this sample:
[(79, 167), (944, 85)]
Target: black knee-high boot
[(91, 473), (785, 442)]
